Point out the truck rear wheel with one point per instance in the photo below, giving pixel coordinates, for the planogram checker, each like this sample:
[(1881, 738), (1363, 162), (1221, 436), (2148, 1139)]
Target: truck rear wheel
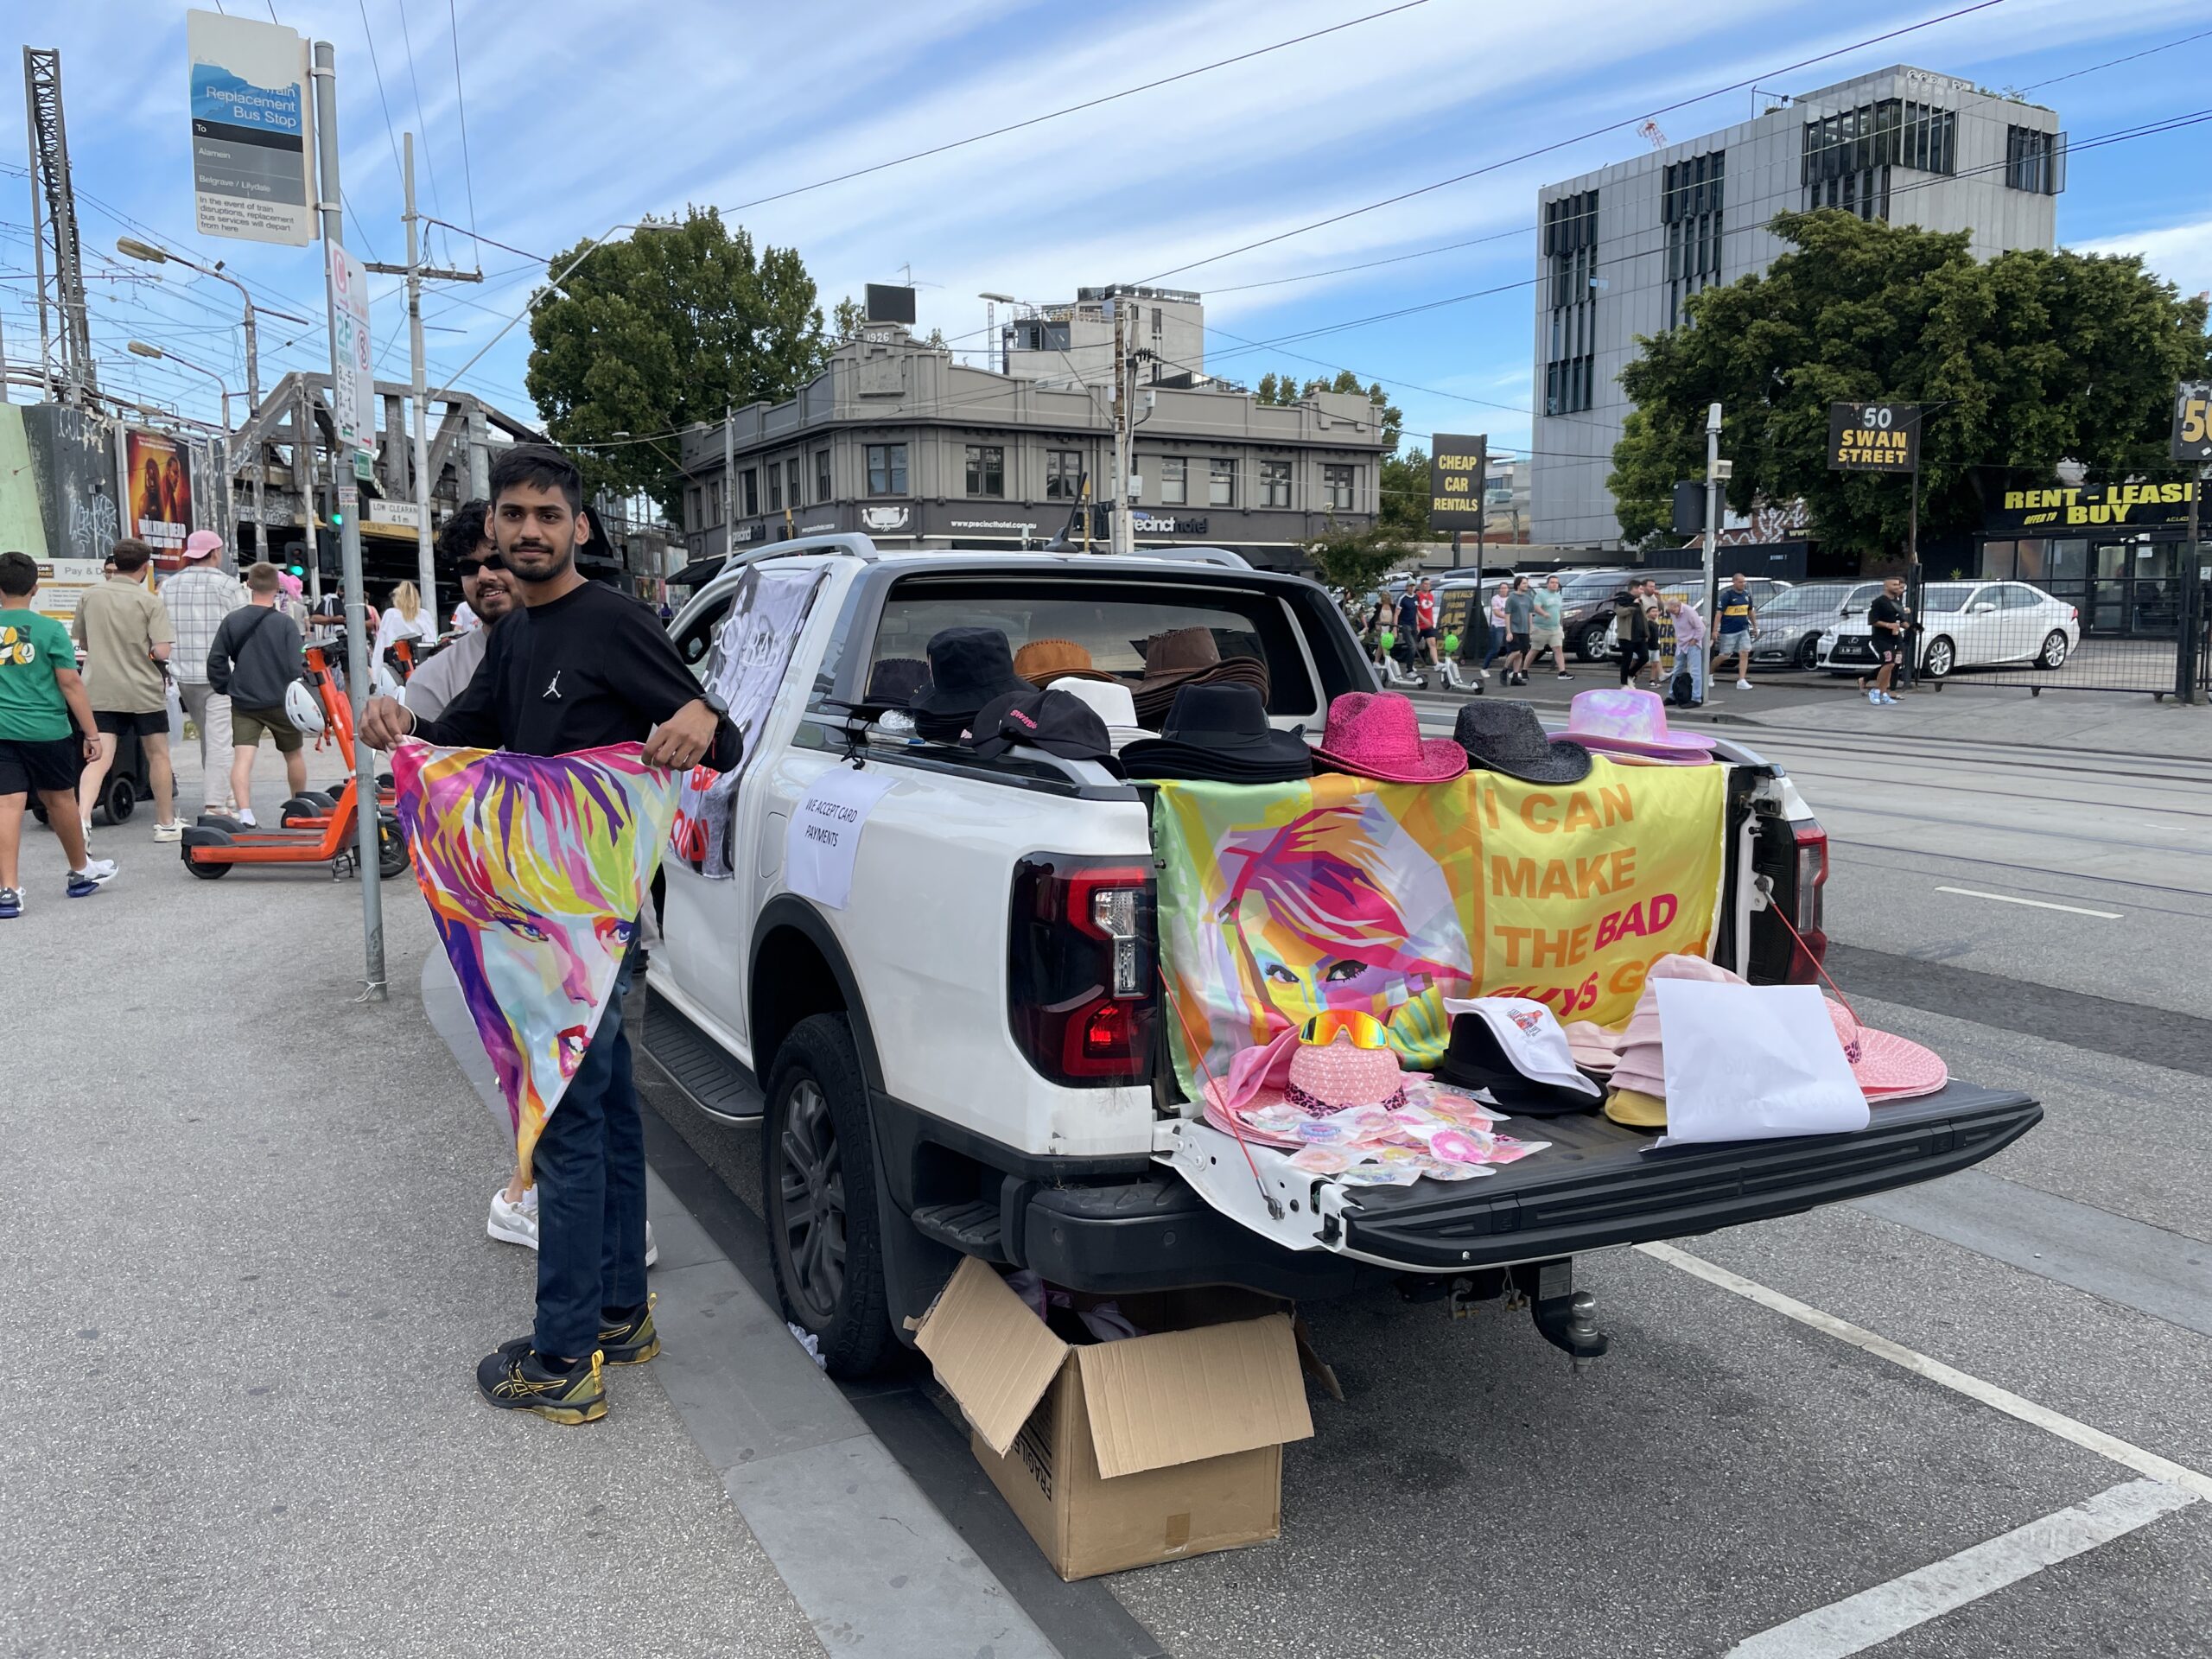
[(819, 1191)]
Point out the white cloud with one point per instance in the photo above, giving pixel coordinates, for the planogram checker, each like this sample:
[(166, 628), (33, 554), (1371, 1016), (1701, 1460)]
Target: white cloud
[(2180, 253)]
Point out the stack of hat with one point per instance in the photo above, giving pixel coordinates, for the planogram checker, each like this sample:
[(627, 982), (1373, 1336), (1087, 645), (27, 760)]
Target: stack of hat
[(1052, 721), (1042, 661), (1886, 1066), (1639, 1080), (1219, 734), (895, 681), (1189, 657), (1507, 737), (1377, 734), (969, 667), (1111, 701), (1512, 1048), (1631, 726)]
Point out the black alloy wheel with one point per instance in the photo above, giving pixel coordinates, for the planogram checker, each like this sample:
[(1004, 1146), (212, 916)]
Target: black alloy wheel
[(819, 1188), (1809, 654)]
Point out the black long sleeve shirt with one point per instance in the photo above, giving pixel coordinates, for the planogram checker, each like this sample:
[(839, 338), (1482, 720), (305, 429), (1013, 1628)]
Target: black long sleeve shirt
[(590, 668)]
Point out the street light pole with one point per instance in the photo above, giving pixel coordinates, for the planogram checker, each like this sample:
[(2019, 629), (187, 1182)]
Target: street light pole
[(1125, 540), (1712, 515), (331, 200)]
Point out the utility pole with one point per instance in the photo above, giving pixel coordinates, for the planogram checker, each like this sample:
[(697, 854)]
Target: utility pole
[(729, 483), (1124, 529), (349, 540), (1713, 475), (416, 272)]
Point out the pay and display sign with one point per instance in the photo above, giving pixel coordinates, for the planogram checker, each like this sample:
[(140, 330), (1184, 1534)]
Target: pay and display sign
[(2193, 420), (1873, 437), (1456, 465), (251, 127), (353, 391)]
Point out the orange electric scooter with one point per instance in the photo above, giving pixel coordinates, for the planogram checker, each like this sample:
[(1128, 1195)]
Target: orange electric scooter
[(311, 808)]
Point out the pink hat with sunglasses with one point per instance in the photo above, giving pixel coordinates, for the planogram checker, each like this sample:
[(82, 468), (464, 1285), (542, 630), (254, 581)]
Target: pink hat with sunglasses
[(1632, 722), (1377, 734)]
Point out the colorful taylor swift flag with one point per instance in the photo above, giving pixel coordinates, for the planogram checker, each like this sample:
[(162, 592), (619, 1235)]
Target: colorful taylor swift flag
[(535, 867)]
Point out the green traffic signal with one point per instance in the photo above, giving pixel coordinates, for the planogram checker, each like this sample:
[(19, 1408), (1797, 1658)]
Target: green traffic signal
[(295, 570)]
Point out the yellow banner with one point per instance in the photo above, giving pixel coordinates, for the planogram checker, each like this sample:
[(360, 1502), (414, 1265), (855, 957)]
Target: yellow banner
[(1280, 902)]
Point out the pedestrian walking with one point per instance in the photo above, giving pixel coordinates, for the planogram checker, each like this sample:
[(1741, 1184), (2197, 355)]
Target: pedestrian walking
[(403, 619), (254, 659), (1425, 620), (1520, 612), (1886, 616), (1735, 629), (1631, 631), (1497, 629), (125, 633), (291, 600), (1549, 631), (40, 691), (579, 665), (198, 598), (1689, 649)]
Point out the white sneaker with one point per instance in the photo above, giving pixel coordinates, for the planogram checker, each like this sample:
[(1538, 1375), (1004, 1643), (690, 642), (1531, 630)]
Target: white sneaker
[(168, 831), (97, 871), (244, 815), (517, 1223), (1743, 685), (1874, 697)]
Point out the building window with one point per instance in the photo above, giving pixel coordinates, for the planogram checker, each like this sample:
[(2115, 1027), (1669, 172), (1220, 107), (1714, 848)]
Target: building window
[(1274, 482), (748, 484), (886, 469), (986, 469), (1848, 155), (1571, 247), (713, 500), (1221, 482), (2034, 160), (694, 512), (1338, 483), (1063, 474), (775, 486), (1691, 208), (822, 490), (1157, 326), (1174, 481), (790, 479)]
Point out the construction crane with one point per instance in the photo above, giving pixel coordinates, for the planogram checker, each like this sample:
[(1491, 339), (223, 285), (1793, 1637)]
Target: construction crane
[(54, 228)]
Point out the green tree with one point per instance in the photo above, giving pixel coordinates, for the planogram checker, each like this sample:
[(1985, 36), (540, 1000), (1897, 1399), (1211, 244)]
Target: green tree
[(1405, 495), (649, 335), (1356, 560), (2020, 362)]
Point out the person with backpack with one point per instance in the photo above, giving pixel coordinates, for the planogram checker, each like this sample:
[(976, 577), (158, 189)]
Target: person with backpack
[(255, 659)]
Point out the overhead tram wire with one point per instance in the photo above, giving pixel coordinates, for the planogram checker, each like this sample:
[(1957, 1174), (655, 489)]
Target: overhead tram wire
[(390, 131), (1090, 104), (422, 122), (461, 107), (1563, 144)]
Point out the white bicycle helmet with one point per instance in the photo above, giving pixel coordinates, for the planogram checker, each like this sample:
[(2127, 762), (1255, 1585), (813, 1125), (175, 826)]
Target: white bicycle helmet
[(302, 710)]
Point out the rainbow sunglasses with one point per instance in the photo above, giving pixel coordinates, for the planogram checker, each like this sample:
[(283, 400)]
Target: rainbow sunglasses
[(1364, 1029)]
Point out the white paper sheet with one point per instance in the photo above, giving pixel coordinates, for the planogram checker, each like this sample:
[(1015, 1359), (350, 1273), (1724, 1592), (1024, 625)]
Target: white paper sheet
[(825, 834), (1753, 1063)]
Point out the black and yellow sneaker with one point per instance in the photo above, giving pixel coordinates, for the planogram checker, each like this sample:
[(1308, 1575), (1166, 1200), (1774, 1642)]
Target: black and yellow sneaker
[(630, 1341), (516, 1379)]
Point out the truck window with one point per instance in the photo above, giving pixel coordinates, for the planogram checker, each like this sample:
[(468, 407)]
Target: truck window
[(1112, 622)]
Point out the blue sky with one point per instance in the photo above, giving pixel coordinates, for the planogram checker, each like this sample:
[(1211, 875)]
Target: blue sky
[(581, 115)]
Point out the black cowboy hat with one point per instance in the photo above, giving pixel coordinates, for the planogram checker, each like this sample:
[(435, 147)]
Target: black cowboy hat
[(1219, 733), (967, 668), (1507, 737)]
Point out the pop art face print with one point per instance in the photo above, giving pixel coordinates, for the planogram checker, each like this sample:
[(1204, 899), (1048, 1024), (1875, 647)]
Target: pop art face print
[(534, 869)]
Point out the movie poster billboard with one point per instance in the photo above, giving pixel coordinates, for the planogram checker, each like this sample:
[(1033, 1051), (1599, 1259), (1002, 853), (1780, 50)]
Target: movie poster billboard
[(157, 494)]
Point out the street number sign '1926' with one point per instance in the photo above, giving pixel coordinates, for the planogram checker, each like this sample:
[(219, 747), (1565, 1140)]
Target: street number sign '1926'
[(1455, 466), (1873, 437), (2193, 420)]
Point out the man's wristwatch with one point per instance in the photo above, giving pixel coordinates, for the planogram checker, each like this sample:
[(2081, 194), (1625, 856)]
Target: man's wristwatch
[(716, 702)]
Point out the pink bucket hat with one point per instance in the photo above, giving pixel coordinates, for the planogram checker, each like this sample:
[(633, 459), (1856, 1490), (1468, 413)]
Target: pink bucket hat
[(1633, 722), (201, 545), (1377, 734), (1887, 1066)]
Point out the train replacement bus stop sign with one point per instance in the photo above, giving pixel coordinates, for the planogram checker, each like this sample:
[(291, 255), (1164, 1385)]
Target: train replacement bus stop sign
[(251, 126), (1873, 437)]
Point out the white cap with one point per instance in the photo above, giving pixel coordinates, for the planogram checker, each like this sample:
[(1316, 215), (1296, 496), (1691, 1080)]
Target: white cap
[(1529, 1035), (1112, 702)]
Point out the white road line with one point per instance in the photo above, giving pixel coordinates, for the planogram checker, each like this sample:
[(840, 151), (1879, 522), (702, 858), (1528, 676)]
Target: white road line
[(2149, 1464), (2033, 903), (1871, 1617)]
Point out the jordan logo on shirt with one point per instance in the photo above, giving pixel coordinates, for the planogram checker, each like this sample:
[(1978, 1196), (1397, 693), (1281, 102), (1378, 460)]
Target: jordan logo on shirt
[(553, 687)]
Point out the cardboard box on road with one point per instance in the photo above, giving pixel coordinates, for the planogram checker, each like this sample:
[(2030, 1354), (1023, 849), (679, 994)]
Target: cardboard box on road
[(1121, 1454)]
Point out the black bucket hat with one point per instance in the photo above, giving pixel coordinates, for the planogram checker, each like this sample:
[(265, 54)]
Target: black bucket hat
[(1507, 737), (967, 668), (895, 680), (1219, 733), (1052, 721), (1476, 1058)]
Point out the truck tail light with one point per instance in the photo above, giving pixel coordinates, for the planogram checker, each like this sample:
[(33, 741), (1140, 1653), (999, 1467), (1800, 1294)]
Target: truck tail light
[(1079, 969), (1808, 946)]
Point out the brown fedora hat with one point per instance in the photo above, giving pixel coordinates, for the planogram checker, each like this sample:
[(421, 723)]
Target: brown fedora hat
[(1042, 661)]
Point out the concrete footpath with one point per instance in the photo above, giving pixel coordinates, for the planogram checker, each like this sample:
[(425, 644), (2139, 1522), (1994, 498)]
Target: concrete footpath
[(247, 1213)]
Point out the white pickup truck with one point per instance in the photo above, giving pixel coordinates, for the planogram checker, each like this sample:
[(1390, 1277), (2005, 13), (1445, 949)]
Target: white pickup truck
[(963, 1058)]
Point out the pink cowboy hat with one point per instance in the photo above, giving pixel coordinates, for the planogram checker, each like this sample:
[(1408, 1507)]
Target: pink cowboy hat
[(1377, 734), (1633, 722), (1886, 1065)]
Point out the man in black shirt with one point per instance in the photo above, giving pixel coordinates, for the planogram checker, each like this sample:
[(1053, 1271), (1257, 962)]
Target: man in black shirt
[(579, 665), (1886, 617)]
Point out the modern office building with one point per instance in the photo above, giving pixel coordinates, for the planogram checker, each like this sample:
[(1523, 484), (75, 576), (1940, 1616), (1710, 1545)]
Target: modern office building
[(1620, 249), (897, 439), (1073, 345)]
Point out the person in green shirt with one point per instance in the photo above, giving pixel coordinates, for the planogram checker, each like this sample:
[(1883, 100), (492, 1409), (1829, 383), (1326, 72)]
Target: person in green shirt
[(39, 690)]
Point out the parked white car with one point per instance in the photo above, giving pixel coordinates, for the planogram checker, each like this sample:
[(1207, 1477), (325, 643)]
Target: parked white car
[(1967, 624)]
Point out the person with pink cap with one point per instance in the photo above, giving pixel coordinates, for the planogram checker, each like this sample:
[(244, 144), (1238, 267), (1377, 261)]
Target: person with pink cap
[(199, 597)]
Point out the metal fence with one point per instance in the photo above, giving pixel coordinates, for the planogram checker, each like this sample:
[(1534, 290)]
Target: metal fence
[(2086, 634)]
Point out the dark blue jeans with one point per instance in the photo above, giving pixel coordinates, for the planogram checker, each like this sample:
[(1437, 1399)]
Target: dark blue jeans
[(590, 1165)]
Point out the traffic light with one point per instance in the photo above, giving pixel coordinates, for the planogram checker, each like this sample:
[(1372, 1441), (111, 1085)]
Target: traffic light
[(338, 520), (296, 569)]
